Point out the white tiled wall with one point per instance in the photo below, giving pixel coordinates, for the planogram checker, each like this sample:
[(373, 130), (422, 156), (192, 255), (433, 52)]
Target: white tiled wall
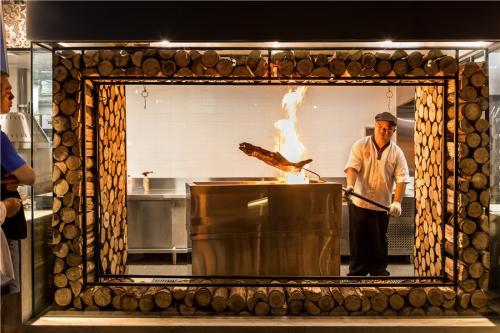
[(194, 131)]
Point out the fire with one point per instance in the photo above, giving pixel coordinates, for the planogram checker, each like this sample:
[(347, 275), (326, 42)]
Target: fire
[(288, 143)]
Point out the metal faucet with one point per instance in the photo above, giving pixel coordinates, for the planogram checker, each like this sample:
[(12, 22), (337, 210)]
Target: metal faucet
[(145, 180)]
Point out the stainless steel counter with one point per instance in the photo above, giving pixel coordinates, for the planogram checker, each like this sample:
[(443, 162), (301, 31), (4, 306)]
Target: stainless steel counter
[(157, 194)]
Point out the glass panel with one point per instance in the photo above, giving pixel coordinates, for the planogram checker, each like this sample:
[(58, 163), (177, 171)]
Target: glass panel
[(41, 89), (494, 85)]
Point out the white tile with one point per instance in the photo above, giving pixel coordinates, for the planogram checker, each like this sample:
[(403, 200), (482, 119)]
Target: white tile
[(194, 131)]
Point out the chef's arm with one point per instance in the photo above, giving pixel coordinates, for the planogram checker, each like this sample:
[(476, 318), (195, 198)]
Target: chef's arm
[(400, 191), (352, 175)]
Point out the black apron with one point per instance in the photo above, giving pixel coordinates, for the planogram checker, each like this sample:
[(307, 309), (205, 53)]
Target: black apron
[(14, 227)]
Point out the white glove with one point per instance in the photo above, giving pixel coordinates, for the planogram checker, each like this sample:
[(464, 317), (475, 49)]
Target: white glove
[(395, 209)]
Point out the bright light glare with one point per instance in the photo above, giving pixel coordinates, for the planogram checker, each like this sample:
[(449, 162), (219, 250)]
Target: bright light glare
[(164, 42)]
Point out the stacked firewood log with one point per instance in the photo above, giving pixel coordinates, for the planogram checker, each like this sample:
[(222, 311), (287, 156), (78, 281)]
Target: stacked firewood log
[(254, 64), (173, 63), (472, 184), (112, 179), (278, 301), (429, 141), (68, 176), (362, 63)]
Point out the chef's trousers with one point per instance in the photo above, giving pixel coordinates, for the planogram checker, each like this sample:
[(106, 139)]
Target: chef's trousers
[(367, 241)]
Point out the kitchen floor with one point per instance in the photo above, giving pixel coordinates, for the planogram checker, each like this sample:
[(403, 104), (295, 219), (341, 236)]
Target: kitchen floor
[(161, 264)]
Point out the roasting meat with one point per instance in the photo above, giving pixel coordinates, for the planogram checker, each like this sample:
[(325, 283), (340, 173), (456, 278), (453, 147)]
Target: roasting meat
[(274, 159)]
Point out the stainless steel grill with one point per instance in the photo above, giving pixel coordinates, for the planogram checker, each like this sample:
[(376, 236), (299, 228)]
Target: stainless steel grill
[(265, 228)]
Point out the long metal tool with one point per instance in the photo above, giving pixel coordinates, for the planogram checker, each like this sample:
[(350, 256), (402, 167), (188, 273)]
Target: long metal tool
[(357, 195)]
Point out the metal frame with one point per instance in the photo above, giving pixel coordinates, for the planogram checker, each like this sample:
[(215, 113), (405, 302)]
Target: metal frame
[(243, 48), (83, 187), (274, 81), (334, 280), (341, 282), (97, 194), (455, 184), (487, 117), (444, 195), (267, 80), (30, 108)]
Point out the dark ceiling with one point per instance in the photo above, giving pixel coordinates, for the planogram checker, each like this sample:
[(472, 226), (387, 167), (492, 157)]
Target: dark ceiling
[(263, 21)]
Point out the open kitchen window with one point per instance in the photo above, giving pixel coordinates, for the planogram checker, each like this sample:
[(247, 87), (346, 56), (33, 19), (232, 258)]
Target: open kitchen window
[(232, 214), (173, 197)]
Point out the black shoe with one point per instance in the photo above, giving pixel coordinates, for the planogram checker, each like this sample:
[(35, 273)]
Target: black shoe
[(382, 272), (357, 274)]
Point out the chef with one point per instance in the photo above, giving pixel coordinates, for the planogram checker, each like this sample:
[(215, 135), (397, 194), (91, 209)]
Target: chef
[(375, 164)]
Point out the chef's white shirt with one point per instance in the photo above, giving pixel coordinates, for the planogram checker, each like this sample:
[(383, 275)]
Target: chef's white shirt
[(377, 171)]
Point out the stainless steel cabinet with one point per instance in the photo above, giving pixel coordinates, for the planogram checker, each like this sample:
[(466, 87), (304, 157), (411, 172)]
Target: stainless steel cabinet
[(150, 225)]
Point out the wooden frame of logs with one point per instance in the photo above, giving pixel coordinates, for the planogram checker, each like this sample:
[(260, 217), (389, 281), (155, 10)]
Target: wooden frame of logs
[(429, 143), (467, 184), (112, 179), (72, 66), (262, 63)]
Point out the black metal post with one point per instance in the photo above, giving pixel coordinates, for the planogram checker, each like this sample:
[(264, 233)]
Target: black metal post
[(83, 182), (455, 180), (97, 178)]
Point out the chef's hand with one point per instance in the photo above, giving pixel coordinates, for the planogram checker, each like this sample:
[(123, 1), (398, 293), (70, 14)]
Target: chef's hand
[(347, 193), (395, 209), (12, 206)]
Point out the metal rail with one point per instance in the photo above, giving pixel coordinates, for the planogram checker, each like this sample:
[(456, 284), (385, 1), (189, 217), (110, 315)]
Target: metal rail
[(359, 283)]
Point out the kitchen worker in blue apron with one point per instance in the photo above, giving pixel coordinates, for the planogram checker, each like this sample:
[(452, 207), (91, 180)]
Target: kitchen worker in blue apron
[(375, 164)]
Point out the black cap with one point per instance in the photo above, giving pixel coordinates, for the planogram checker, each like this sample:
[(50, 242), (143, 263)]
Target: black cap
[(387, 116)]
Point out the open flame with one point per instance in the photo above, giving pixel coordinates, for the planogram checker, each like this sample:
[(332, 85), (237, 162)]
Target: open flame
[(288, 143)]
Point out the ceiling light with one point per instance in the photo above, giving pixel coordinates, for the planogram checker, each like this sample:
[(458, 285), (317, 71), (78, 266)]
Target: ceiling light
[(64, 44), (164, 42)]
